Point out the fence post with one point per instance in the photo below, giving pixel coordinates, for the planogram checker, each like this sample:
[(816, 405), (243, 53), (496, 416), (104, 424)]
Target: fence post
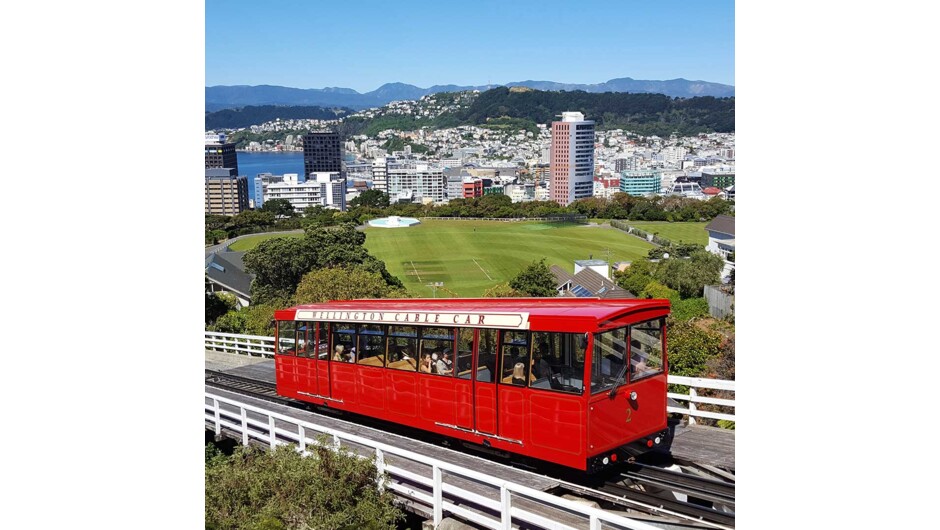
[(507, 507), (692, 395), (380, 469), (595, 522), (271, 432), (218, 417), (438, 497), (303, 439), (244, 426)]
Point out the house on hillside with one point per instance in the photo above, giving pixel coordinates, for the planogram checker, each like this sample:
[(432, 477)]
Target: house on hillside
[(225, 273), (587, 281), (721, 240), (721, 236)]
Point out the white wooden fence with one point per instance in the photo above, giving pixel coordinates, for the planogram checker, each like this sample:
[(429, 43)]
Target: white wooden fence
[(259, 346), (692, 397), (515, 502), (250, 345)]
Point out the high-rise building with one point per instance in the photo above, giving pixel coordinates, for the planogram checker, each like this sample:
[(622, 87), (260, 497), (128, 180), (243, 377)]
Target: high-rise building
[(415, 181), (323, 153), (220, 154), (226, 192), (572, 160)]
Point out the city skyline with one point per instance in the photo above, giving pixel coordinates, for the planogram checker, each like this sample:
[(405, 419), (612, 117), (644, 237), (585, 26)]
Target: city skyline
[(305, 45)]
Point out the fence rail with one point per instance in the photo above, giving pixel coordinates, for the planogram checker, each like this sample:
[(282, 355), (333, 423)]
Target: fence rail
[(695, 383), (250, 345), (260, 346), (571, 218), (252, 423)]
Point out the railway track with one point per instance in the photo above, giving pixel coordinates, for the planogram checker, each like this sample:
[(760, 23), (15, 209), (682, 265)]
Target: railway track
[(700, 498), (685, 498), (254, 387)]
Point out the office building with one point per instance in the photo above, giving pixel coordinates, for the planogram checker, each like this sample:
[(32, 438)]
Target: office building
[(640, 182), (226, 192), (572, 158), (323, 153), (219, 153), (719, 178)]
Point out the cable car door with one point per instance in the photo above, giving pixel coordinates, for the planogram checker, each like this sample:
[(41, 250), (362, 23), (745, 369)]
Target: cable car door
[(484, 384), (320, 354)]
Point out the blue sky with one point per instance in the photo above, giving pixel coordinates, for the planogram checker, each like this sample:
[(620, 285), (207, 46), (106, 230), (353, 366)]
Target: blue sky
[(362, 44)]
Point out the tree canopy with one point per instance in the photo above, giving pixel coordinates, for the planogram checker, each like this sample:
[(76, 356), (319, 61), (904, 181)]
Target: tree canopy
[(278, 207), (371, 199), (344, 283), (535, 280), (280, 263), (502, 290), (256, 319), (688, 276)]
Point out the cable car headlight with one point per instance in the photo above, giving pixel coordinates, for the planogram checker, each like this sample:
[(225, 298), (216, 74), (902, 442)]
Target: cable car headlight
[(657, 440), (633, 395)]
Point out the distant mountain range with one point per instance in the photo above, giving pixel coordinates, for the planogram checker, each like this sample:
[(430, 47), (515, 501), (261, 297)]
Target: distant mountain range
[(227, 97)]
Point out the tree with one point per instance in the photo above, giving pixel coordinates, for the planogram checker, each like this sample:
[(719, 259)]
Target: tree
[(279, 264), (655, 289), (278, 207), (637, 276), (370, 198), (282, 489), (256, 319), (502, 290), (217, 305), (690, 349), (535, 280), (690, 276), (343, 283)]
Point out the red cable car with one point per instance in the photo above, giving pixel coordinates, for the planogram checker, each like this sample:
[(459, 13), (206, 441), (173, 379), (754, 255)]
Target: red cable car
[(580, 382)]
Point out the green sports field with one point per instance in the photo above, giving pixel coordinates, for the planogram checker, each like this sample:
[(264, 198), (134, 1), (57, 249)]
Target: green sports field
[(472, 256), (675, 232)]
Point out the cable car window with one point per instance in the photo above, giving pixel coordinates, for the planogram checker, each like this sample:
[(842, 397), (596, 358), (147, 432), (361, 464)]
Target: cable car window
[(558, 362), (371, 345), (609, 360), (646, 348), (464, 353), (486, 365), (323, 346), (343, 342), (301, 340), (285, 337), (438, 344), (516, 363), (402, 348)]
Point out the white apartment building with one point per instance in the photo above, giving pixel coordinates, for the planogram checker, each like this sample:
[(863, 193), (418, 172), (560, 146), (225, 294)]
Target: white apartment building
[(380, 174), (320, 189), (421, 181)]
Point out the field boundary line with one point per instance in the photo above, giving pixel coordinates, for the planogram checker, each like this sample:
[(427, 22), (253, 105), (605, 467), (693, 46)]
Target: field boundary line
[(415, 269), (482, 269)]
